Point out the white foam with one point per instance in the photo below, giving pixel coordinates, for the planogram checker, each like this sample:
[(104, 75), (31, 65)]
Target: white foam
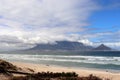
[(64, 58)]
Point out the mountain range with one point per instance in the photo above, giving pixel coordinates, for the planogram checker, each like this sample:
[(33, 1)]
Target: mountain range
[(69, 45)]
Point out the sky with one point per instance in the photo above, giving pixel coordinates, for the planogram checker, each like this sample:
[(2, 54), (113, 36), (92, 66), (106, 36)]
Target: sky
[(25, 23)]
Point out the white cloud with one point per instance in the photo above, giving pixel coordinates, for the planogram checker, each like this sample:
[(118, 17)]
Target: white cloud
[(111, 39), (41, 21), (44, 13), (23, 23)]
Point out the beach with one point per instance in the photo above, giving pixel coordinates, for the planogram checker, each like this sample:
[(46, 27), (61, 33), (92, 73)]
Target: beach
[(82, 72), (103, 65)]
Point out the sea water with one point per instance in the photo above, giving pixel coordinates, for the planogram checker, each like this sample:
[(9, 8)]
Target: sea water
[(99, 60)]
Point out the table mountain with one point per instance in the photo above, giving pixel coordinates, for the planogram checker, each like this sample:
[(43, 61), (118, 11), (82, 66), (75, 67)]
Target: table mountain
[(62, 45)]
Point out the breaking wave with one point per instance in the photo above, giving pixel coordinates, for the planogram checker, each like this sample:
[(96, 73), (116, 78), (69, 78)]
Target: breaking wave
[(64, 58)]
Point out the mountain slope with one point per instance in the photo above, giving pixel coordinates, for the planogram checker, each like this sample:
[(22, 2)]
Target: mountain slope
[(62, 45), (102, 47)]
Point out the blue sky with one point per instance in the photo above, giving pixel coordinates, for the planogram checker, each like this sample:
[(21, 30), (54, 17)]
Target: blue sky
[(106, 19), (91, 22)]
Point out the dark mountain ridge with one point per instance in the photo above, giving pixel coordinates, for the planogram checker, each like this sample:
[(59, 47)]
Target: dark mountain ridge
[(102, 47), (69, 46), (62, 45)]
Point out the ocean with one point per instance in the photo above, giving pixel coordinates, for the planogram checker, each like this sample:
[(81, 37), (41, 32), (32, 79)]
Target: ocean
[(107, 60)]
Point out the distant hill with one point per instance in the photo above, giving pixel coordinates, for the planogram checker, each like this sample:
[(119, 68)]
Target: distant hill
[(62, 45), (68, 46), (102, 47)]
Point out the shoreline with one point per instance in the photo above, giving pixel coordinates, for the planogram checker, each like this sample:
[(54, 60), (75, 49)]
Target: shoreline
[(96, 69), (80, 71)]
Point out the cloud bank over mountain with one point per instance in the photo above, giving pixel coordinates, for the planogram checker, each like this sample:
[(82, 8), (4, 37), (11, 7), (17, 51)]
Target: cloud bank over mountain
[(24, 23)]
